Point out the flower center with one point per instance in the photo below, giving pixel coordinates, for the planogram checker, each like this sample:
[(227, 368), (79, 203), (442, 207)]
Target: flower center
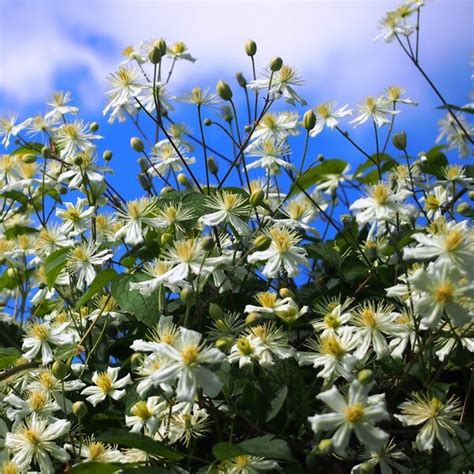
[(141, 410), (432, 202), (380, 194), (453, 240), (444, 293), (37, 400), (189, 354), (435, 406), (185, 249), (40, 332), (104, 382), (266, 299), (332, 321), (331, 346), (96, 450), (354, 413), (368, 317), (31, 436), (244, 347)]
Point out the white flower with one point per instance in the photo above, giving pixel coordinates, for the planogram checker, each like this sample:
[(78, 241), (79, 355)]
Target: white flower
[(454, 135), (86, 172), (283, 254), (83, 259), (394, 95), (156, 269), (358, 413), (106, 385), (59, 106), (334, 315), (377, 108), (279, 84), (74, 137), (327, 116), (448, 341), (187, 360), (272, 155), (188, 422), (443, 289), (247, 464), (439, 420), (33, 441), (244, 351), (276, 127), (171, 216), (331, 181), (146, 415), (36, 402), (75, 218), (40, 337), (9, 129), (95, 451), (165, 158), (436, 201), (381, 205), (179, 51), (392, 25), (230, 208)]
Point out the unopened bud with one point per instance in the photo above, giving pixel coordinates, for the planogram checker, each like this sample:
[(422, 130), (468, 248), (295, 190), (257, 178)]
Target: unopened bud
[(215, 311), (463, 208), (399, 141), (137, 144), (224, 343), (320, 158), (309, 120), (183, 179), (256, 197), (78, 160), (144, 181), (46, 152), (287, 293), (223, 90), (161, 45), (93, 127), (63, 190), (366, 468), (59, 369), (166, 238), (166, 189), (107, 155), (262, 242), (207, 122), (11, 273), (276, 64), (365, 376), (207, 244), (28, 158), (155, 55), (136, 360), (252, 318), (241, 79), (79, 409), (471, 195), (250, 47), (325, 446), (187, 296), (212, 165), (143, 164)]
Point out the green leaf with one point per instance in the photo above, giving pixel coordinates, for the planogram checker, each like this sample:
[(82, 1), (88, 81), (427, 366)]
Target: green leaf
[(8, 357), (30, 149), (96, 468), (102, 279), (17, 230), (277, 403), (435, 161), (386, 163), (319, 173), (468, 110), (53, 265), (145, 308), (325, 252), (145, 443)]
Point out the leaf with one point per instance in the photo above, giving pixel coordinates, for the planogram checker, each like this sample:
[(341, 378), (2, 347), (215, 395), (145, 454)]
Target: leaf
[(16, 230), (145, 308), (468, 110), (96, 468), (102, 279), (277, 403), (53, 265), (325, 252), (317, 174), (30, 149), (435, 161), (369, 163), (8, 357), (145, 443)]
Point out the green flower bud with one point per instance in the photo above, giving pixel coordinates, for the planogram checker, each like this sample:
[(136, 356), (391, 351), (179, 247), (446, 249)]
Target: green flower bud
[(320, 158), (187, 296), (224, 91), (63, 190), (276, 64), (463, 208), (143, 164), (137, 144), (325, 446), (28, 158), (241, 79), (46, 152), (252, 318), (262, 242), (166, 238), (215, 311), (207, 244), (471, 195), (161, 45), (366, 468), (79, 409), (399, 141), (78, 160), (212, 165), (59, 369), (93, 127), (365, 376), (155, 55), (107, 155), (11, 273), (248, 128), (256, 197), (166, 189), (309, 120), (287, 293), (250, 47), (144, 181), (183, 179), (136, 360), (224, 343), (207, 122)]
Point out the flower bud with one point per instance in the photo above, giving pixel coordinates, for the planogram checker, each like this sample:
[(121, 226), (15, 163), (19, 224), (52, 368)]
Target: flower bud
[(463, 208), (325, 446), (320, 158), (207, 122), (166, 189), (276, 64), (107, 155), (187, 296), (256, 197), (137, 144), (224, 343), (215, 311), (78, 160), (287, 293), (166, 238), (154, 55), (250, 47), (183, 179), (248, 128), (161, 45), (224, 91), (262, 242), (143, 164), (46, 152), (366, 468), (79, 409), (309, 120), (399, 141), (63, 190), (136, 360), (144, 181), (59, 369), (207, 244), (365, 376), (11, 273), (212, 165), (241, 79), (252, 318), (28, 158), (471, 195), (93, 127)]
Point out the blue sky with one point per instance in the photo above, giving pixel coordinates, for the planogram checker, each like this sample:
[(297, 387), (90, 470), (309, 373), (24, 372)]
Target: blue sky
[(46, 45)]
